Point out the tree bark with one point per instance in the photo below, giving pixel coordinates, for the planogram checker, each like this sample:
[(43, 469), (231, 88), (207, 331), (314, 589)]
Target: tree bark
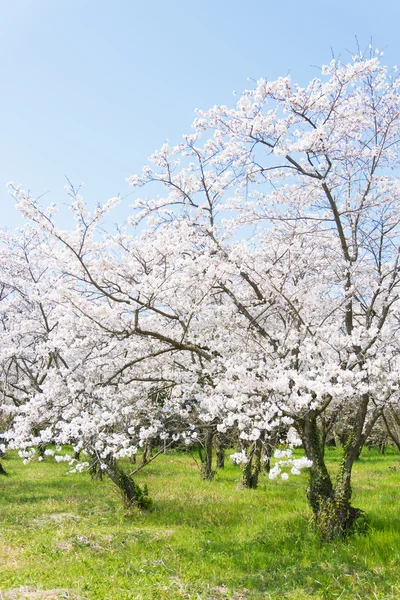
[(268, 449), (206, 470), (132, 494), (333, 515), (94, 468), (220, 451), (392, 424), (147, 451), (41, 450), (252, 468)]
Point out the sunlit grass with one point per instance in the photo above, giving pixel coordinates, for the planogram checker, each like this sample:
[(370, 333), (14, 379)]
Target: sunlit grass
[(202, 540)]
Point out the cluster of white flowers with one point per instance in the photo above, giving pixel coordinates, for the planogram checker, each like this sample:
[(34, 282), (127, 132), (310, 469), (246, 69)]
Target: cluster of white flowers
[(239, 458), (294, 464), (79, 467), (63, 458)]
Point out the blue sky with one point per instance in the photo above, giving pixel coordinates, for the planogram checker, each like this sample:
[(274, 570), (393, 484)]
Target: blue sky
[(91, 87)]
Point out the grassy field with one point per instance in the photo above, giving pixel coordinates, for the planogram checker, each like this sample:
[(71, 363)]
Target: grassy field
[(202, 540)]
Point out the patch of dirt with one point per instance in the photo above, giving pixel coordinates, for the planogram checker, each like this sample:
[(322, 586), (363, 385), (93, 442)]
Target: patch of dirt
[(55, 518), (149, 535), (65, 545), (30, 593), (85, 541), (93, 542), (10, 556), (222, 593)]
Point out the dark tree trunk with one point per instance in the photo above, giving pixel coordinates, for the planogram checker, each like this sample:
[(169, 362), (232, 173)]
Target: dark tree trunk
[(220, 451), (94, 468), (147, 451), (392, 424), (333, 515), (206, 455), (267, 451), (41, 450), (132, 494), (252, 468)]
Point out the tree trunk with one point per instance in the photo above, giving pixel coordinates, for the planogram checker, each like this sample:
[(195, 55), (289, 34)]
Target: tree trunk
[(95, 470), (333, 515), (220, 451), (392, 423), (252, 468), (267, 451), (132, 494), (147, 451), (382, 447), (206, 470), (336, 517), (41, 450)]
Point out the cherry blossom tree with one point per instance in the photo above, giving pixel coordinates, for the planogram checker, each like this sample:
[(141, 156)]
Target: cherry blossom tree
[(28, 316), (316, 167), (128, 308)]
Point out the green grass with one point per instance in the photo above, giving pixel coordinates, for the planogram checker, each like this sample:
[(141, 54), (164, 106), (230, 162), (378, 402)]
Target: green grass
[(202, 540)]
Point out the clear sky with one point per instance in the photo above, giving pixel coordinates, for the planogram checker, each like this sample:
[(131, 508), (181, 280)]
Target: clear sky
[(91, 87)]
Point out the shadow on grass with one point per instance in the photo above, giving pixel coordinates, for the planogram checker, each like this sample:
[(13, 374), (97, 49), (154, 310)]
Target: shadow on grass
[(266, 563)]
